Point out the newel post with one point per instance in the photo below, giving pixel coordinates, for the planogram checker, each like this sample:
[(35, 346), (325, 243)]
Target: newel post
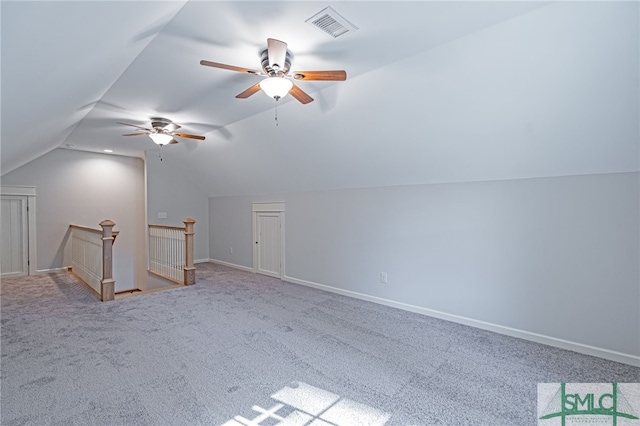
[(189, 269), (107, 284)]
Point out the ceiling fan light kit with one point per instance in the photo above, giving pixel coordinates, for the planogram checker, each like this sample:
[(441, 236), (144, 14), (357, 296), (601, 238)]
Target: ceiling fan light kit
[(160, 138), (276, 87)]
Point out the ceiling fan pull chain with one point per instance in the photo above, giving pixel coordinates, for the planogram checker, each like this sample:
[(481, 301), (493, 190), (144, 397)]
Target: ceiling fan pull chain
[(276, 112), (160, 153)]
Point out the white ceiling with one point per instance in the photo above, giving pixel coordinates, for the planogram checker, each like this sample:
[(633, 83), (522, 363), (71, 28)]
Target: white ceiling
[(70, 70)]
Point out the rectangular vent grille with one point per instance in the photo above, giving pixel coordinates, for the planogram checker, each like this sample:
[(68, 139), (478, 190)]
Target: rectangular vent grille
[(329, 21)]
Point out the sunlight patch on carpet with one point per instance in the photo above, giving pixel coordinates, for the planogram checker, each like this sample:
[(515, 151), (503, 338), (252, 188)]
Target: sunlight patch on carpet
[(302, 404)]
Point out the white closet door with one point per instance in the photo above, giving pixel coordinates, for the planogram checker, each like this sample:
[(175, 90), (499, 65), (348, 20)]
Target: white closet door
[(14, 239), (268, 243)]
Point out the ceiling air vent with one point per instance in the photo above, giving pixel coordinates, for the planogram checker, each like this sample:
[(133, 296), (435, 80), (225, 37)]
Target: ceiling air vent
[(331, 23)]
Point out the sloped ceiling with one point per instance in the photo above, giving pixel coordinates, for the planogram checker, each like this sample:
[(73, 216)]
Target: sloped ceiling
[(436, 91), (59, 59)]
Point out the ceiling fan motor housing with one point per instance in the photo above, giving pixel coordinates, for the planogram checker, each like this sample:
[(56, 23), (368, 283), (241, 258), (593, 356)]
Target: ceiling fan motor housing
[(282, 71), (159, 122)]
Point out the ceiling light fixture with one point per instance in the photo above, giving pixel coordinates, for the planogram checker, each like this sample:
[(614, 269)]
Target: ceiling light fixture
[(160, 138), (276, 87)]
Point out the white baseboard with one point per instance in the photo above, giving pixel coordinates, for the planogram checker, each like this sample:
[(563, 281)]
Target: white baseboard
[(526, 335), (231, 265), (48, 271), (629, 359)]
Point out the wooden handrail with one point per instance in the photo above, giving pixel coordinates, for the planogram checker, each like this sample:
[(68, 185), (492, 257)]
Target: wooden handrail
[(166, 227), (95, 230), (86, 228)]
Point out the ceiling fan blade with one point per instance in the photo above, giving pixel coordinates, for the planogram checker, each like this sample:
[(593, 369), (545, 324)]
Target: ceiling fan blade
[(137, 134), (186, 135), (277, 53), (338, 75), (133, 125), (300, 95), (250, 91), (229, 67)]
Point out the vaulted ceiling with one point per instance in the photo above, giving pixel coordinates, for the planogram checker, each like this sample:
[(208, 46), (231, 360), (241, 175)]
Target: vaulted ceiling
[(436, 90)]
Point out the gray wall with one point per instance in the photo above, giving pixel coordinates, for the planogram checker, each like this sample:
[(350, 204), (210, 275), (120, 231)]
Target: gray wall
[(85, 188), (170, 191), (553, 256)]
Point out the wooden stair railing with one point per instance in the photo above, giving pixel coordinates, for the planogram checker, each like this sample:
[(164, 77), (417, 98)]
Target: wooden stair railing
[(171, 252), (92, 257)]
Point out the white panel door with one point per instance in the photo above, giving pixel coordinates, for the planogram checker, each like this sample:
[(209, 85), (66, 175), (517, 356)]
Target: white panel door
[(268, 242), (14, 238)]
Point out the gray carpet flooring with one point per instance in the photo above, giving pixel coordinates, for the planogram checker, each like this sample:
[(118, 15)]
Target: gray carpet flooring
[(240, 348)]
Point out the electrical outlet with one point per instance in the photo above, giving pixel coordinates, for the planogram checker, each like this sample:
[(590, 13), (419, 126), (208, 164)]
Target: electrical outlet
[(162, 215), (230, 250), (383, 277)]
